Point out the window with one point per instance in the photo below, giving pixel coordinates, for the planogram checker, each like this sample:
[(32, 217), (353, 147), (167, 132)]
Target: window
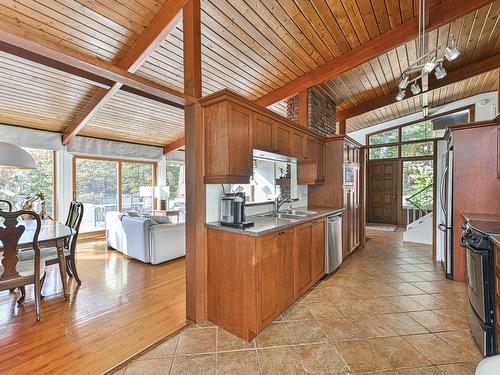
[(17, 184), (433, 128), (384, 152), (97, 189), (417, 184), (98, 186), (390, 136), (416, 149), (176, 185), (137, 186)]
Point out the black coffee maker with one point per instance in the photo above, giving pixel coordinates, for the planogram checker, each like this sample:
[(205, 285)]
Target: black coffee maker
[(233, 210)]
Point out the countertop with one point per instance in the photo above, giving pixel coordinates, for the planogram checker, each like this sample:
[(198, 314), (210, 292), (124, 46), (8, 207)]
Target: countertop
[(486, 223), (265, 225)]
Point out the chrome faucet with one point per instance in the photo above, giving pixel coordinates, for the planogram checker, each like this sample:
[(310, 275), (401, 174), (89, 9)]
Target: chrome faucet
[(280, 200)]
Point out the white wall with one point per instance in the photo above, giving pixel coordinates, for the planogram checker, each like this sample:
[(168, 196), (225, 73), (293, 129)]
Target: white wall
[(482, 112)]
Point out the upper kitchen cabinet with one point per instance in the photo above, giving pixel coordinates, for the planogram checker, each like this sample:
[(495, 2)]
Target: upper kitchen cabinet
[(235, 126), (228, 143)]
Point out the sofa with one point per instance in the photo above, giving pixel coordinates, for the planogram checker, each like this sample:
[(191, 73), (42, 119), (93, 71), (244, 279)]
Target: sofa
[(144, 238)]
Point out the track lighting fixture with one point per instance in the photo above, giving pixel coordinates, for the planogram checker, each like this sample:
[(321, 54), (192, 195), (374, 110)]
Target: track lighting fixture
[(440, 72), (425, 111), (451, 52), (403, 84), (415, 89), (400, 96), (429, 66)]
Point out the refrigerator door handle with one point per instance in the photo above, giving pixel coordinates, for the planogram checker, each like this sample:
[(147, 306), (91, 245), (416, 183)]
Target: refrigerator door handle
[(442, 192), (442, 227)]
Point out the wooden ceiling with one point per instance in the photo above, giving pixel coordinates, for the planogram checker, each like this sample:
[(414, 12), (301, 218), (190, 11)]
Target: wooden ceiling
[(250, 46)]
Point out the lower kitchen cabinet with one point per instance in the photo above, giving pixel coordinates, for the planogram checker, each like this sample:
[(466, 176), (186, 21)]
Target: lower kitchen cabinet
[(252, 280)]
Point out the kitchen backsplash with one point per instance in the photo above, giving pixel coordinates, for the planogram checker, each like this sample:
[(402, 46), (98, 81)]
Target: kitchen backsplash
[(214, 193)]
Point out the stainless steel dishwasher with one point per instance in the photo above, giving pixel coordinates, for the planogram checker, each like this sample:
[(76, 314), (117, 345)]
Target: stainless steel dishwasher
[(333, 257)]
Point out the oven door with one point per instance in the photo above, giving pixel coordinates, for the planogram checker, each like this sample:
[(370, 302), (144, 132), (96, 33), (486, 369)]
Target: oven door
[(475, 282)]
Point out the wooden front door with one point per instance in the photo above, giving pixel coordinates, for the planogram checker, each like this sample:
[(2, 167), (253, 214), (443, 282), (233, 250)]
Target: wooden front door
[(382, 187)]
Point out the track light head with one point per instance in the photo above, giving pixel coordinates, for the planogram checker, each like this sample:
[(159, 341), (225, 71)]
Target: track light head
[(403, 84), (429, 66), (440, 72), (451, 52), (415, 89), (400, 96)]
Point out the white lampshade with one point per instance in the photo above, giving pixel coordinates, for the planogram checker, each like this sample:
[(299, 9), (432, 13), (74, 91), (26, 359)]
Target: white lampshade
[(12, 156)]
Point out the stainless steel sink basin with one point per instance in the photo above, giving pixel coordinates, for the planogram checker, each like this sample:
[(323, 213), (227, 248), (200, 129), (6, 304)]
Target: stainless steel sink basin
[(283, 215), (301, 212)]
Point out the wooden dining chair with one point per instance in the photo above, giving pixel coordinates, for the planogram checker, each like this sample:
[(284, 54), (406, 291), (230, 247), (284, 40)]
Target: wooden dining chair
[(4, 203), (15, 272), (73, 220)]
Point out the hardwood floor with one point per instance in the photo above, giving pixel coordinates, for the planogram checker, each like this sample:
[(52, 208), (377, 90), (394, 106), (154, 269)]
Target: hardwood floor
[(122, 307), (388, 310)]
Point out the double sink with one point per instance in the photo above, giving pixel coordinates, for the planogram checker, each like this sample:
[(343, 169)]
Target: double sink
[(291, 215)]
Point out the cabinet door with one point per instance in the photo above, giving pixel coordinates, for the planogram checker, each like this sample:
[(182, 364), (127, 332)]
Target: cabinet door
[(321, 161), (263, 133), (299, 139), (318, 250), (266, 279), (311, 149), (282, 139), (303, 257), (240, 154), (285, 250)]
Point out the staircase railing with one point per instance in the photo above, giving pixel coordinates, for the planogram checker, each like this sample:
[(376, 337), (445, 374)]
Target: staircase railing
[(418, 204)]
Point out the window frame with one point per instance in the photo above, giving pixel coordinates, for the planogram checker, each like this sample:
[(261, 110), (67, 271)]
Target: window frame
[(471, 109), (119, 178)]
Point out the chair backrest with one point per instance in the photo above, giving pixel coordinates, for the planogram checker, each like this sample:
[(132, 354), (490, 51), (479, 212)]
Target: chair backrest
[(74, 219), (11, 231), (5, 203)]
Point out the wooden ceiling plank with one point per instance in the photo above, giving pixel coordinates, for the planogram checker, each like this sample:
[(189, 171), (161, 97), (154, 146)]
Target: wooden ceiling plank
[(453, 76), (358, 22), (16, 42), (382, 15), (401, 34), (393, 12), (162, 24), (369, 18), (344, 22)]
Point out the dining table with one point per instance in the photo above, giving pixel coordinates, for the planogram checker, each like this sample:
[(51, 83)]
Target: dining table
[(52, 234)]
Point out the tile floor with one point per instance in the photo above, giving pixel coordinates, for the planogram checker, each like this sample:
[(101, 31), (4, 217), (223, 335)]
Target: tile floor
[(388, 310)]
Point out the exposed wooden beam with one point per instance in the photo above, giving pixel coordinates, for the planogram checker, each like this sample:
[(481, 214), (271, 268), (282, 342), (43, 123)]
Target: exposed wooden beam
[(174, 145), (150, 39), (14, 41), (456, 75), (448, 11), (196, 249)]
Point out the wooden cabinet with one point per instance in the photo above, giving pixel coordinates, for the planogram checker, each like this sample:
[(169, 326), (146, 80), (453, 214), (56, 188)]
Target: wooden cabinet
[(228, 143), (271, 135), (341, 152), (252, 280), (310, 254), (303, 257), (318, 250), (298, 141), (320, 161), (312, 160), (263, 133), (282, 139)]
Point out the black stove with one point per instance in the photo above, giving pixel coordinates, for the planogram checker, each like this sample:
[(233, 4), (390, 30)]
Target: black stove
[(480, 281)]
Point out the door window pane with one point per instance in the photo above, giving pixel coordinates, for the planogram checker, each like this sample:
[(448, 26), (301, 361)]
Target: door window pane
[(417, 184), (137, 187), (390, 136), (416, 149), (97, 189), (18, 184), (383, 152)]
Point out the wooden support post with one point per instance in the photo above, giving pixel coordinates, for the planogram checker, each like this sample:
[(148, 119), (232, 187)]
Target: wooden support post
[(196, 256), (303, 108), (342, 127)]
